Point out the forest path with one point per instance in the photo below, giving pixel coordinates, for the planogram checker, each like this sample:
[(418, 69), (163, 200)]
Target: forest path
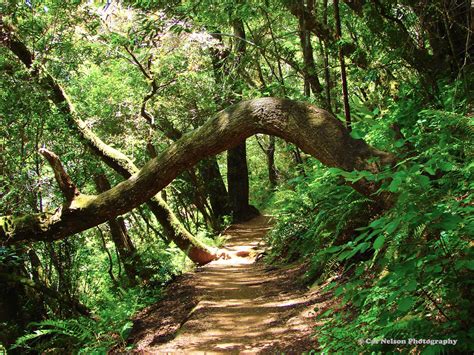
[(232, 305)]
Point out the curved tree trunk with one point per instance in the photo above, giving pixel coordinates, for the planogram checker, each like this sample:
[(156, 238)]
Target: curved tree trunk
[(314, 130)]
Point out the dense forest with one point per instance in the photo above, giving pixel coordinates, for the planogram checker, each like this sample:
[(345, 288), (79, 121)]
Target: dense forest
[(134, 132)]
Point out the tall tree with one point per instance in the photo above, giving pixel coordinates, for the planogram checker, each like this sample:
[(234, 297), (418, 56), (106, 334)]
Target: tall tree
[(303, 13), (342, 64), (237, 169)]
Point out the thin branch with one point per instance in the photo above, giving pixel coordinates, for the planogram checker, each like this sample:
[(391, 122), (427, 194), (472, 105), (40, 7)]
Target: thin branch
[(138, 63), (264, 149), (104, 245)]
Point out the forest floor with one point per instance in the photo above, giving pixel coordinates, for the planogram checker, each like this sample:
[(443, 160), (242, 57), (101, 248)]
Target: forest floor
[(233, 305)]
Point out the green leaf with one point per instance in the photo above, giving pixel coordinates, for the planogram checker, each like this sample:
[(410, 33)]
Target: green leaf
[(445, 165), (325, 314), (433, 349), (399, 143), (395, 184), (392, 226), (377, 222), (379, 242), (411, 286), (424, 181), (339, 291), (332, 249), (461, 264), (126, 329), (450, 221), (430, 170), (357, 134), (406, 303), (335, 171)]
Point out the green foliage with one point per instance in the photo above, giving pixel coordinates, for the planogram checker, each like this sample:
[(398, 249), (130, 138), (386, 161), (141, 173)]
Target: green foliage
[(308, 219), (85, 335), (409, 270), (402, 273)]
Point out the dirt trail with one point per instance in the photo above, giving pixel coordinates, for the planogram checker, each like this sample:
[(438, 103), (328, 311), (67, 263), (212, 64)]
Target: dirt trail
[(232, 305)]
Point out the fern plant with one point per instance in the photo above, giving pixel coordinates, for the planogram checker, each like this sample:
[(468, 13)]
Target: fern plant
[(409, 270)]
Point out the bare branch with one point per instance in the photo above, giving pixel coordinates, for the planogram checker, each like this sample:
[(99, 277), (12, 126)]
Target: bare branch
[(66, 185)]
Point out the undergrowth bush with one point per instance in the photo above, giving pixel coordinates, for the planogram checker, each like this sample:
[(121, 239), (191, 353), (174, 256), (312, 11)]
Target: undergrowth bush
[(411, 268), (311, 212), (110, 326), (112, 304)]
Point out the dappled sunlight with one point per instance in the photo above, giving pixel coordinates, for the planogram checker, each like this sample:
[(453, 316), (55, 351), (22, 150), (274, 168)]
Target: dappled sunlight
[(243, 306)]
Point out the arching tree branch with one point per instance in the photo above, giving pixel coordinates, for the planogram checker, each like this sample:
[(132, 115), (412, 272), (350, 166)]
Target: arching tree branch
[(314, 130)]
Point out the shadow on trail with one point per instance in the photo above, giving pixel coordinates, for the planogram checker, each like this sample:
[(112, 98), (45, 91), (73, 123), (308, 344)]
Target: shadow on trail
[(232, 305)]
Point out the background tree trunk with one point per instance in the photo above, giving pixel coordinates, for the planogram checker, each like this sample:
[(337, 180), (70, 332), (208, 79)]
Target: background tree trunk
[(126, 250), (215, 188), (237, 180), (237, 169), (345, 93), (272, 170), (309, 64)]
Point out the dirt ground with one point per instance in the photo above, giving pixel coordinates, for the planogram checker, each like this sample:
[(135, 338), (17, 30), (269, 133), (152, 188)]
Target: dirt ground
[(233, 305)]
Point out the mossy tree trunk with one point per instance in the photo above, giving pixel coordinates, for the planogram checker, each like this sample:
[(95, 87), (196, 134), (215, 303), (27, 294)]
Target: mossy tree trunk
[(119, 162)]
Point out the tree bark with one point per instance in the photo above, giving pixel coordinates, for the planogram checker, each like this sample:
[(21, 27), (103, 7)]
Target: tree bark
[(123, 243), (321, 29), (345, 93), (314, 130), (309, 64), (215, 188), (270, 157), (238, 183), (272, 170), (325, 54), (237, 170)]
